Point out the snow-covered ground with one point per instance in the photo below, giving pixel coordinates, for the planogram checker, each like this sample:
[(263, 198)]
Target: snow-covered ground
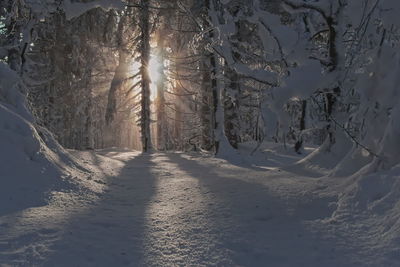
[(177, 209)]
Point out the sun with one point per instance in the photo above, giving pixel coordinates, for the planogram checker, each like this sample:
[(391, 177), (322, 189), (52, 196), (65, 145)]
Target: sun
[(154, 69)]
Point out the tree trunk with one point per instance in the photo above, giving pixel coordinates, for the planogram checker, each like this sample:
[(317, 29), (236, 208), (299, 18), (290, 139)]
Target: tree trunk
[(231, 110), (299, 143), (119, 75), (145, 82), (161, 118), (206, 108)]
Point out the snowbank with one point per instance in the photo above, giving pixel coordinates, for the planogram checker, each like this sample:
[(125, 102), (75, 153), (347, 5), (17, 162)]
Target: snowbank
[(32, 163), (373, 199), (29, 169)]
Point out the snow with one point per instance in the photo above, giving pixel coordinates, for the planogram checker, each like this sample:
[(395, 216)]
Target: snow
[(12, 92), (221, 44), (302, 83), (390, 11), (168, 209), (335, 205), (32, 163)]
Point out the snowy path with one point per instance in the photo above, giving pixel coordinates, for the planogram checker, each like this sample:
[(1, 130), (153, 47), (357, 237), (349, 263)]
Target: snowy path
[(171, 209)]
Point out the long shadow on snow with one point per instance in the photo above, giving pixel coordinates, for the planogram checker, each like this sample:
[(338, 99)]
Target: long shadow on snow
[(257, 228), (110, 233), (16, 195)]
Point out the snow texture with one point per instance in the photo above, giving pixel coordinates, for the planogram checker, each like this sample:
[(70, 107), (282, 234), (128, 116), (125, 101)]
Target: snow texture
[(22, 145), (168, 209)]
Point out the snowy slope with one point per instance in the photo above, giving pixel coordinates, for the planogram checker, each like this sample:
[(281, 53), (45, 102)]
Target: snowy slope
[(31, 161)]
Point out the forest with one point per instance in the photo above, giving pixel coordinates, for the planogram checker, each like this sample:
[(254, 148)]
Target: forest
[(199, 133)]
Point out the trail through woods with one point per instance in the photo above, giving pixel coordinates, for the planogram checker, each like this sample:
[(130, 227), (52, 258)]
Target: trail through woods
[(321, 77), (174, 209)]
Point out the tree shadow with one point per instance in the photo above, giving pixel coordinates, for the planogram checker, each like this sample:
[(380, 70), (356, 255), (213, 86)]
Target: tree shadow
[(255, 227), (29, 189), (110, 232), (262, 160)]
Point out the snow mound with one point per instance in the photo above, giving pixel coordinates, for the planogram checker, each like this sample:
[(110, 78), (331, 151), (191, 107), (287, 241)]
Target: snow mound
[(268, 154), (29, 169), (377, 193), (374, 199), (322, 160)]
